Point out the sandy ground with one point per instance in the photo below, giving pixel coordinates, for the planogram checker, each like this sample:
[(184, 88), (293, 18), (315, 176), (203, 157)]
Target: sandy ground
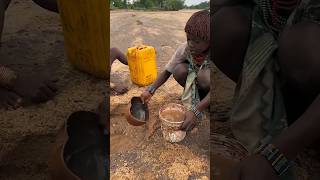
[(141, 152), (33, 41)]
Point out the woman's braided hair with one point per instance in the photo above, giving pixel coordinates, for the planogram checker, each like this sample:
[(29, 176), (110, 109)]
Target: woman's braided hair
[(199, 25)]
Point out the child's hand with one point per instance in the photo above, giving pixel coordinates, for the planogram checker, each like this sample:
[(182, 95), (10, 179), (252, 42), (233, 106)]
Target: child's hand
[(189, 122), (146, 96), (252, 168)]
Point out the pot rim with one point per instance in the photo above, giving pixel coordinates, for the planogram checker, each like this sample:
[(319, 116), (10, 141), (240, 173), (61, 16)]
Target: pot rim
[(180, 106), (241, 148), (131, 118)]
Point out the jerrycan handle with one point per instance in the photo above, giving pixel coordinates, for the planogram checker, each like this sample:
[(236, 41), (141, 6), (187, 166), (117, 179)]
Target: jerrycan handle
[(140, 47)]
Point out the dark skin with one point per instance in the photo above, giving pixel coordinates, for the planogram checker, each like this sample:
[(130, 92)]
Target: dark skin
[(196, 46), (26, 88), (116, 54), (298, 56)]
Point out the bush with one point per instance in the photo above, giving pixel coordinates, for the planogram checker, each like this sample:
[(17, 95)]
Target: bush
[(203, 5), (173, 5)]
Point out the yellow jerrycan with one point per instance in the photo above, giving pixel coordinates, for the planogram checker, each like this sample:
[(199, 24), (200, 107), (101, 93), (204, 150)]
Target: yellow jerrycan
[(142, 64), (86, 34)]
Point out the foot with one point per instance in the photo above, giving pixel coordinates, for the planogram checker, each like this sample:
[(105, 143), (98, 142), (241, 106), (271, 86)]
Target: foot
[(119, 89), (36, 88), (9, 100)]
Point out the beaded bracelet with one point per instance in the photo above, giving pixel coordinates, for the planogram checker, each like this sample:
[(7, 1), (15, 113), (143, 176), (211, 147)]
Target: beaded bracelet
[(151, 89), (278, 161), (196, 112)]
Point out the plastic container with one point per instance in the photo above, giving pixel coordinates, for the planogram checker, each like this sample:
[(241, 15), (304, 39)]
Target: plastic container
[(142, 64), (86, 35), (170, 124)]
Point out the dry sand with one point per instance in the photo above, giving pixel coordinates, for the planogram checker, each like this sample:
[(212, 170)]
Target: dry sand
[(33, 41), (141, 152)]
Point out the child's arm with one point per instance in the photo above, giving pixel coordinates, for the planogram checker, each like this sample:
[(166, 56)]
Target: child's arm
[(162, 78), (177, 58), (190, 120), (204, 103), (115, 53)]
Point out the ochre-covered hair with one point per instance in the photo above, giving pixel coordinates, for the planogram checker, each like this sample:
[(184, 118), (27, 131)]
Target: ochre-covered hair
[(199, 25)]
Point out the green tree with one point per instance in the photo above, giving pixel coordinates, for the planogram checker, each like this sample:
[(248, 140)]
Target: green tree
[(118, 3), (173, 5), (202, 5)]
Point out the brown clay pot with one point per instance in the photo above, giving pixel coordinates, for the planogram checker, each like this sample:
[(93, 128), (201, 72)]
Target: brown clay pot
[(79, 142), (137, 113), (227, 152), (57, 166)]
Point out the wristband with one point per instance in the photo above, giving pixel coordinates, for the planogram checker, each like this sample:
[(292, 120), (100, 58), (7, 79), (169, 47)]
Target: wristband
[(278, 161), (196, 112), (151, 90)]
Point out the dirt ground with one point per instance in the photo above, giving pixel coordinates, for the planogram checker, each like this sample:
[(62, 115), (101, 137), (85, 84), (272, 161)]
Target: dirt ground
[(141, 152), (33, 42)]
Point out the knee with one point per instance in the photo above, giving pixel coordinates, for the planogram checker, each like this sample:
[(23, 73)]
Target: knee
[(180, 72), (114, 53), (203, 79), (230, 24), (299, 54), (231, 32)]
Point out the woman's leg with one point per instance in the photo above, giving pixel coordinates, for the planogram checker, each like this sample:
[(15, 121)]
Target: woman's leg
[(203, 79), (180, 73), (299, 59), (231, 31)]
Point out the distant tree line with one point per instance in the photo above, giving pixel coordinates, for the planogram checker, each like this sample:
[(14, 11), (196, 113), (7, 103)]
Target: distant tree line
[(203, 5), (168, 5)]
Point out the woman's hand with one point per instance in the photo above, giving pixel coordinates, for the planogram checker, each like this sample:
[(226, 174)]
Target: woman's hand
[(146, 97), (189, 122), (253, 168)]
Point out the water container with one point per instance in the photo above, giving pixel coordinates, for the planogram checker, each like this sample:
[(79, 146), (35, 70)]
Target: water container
[(142, 64), (86, 34)]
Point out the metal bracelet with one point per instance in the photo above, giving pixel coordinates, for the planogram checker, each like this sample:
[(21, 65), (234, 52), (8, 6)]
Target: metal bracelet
[(151, 89), (277, 160), (197, 113)]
